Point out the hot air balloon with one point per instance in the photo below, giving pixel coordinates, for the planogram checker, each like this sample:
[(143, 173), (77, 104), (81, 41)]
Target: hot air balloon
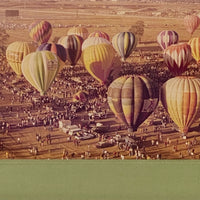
[(78, 30), (40, 31), (177, 57), (195, 47), (132, 99), (99, 34), (191, 23), (15, 53), (80, 96), (180, 97), (94, 41), (167, 38), (124, 43), (72, 45), (98, 61), (40, 68)]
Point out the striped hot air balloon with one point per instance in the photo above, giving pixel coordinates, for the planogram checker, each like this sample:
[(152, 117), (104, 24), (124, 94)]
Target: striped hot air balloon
[(94, 41), (99, 34), (177, 57), (40, 68), (191, 23), (40, 31), (124, 43), (195, 47), (132, 99), (72, 45), (166, 38), (181, 98), (15, 53), (78, 30), (99, 60)]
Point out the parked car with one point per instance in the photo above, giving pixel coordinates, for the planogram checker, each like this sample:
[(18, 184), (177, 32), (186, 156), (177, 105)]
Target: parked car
[(104, 144), (85, 136)]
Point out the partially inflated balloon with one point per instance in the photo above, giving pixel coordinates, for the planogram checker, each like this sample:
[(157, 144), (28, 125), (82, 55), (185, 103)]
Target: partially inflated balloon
[(78, 30), (132, 99), (191, 23), (40, 31), (40, 69), (166, 38), (72, 45), (98, 60), (124, 43), (15, 53), (181, 98), (99, 34), (195, 46), (80, 96), (177, 57)]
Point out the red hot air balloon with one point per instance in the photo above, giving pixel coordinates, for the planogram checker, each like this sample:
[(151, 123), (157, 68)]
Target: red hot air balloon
[(191, 23), (132, 99), (177, 57), (167, 38)]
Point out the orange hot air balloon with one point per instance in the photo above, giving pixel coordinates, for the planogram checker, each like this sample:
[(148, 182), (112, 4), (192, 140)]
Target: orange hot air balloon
[(16, 52), (191, 23), (132, 99), (180, 97), (78, 30), (195, 47), (177, 57), (98, 61)]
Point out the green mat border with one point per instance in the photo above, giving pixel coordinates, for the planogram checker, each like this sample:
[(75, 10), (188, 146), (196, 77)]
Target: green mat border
[(99, 179)]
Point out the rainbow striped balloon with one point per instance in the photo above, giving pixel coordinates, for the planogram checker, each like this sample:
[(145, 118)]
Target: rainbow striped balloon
[(124, 43), (40, 31), (177, 57), (195, 47), (166, 38), (99, 34), (132, 99)]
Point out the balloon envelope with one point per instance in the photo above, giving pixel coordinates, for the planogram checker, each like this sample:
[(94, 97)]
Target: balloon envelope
[(191, 23), (15, 53), (40, 68), (98, 61), (99, 34), (80, 96), (166, 38), (177, 57), (132, 99), (195, 47), (72, 45), (124, 43), (40, 31), (180, 96)]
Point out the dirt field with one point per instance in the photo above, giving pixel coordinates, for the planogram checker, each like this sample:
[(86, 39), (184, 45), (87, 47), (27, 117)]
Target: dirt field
[(105, 16)]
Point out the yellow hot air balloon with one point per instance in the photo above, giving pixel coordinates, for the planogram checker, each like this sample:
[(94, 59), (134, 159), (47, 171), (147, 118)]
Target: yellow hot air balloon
[(40, 69), (78, 30), (15, 53), (195, 47), (181, 98), (98, 60)]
